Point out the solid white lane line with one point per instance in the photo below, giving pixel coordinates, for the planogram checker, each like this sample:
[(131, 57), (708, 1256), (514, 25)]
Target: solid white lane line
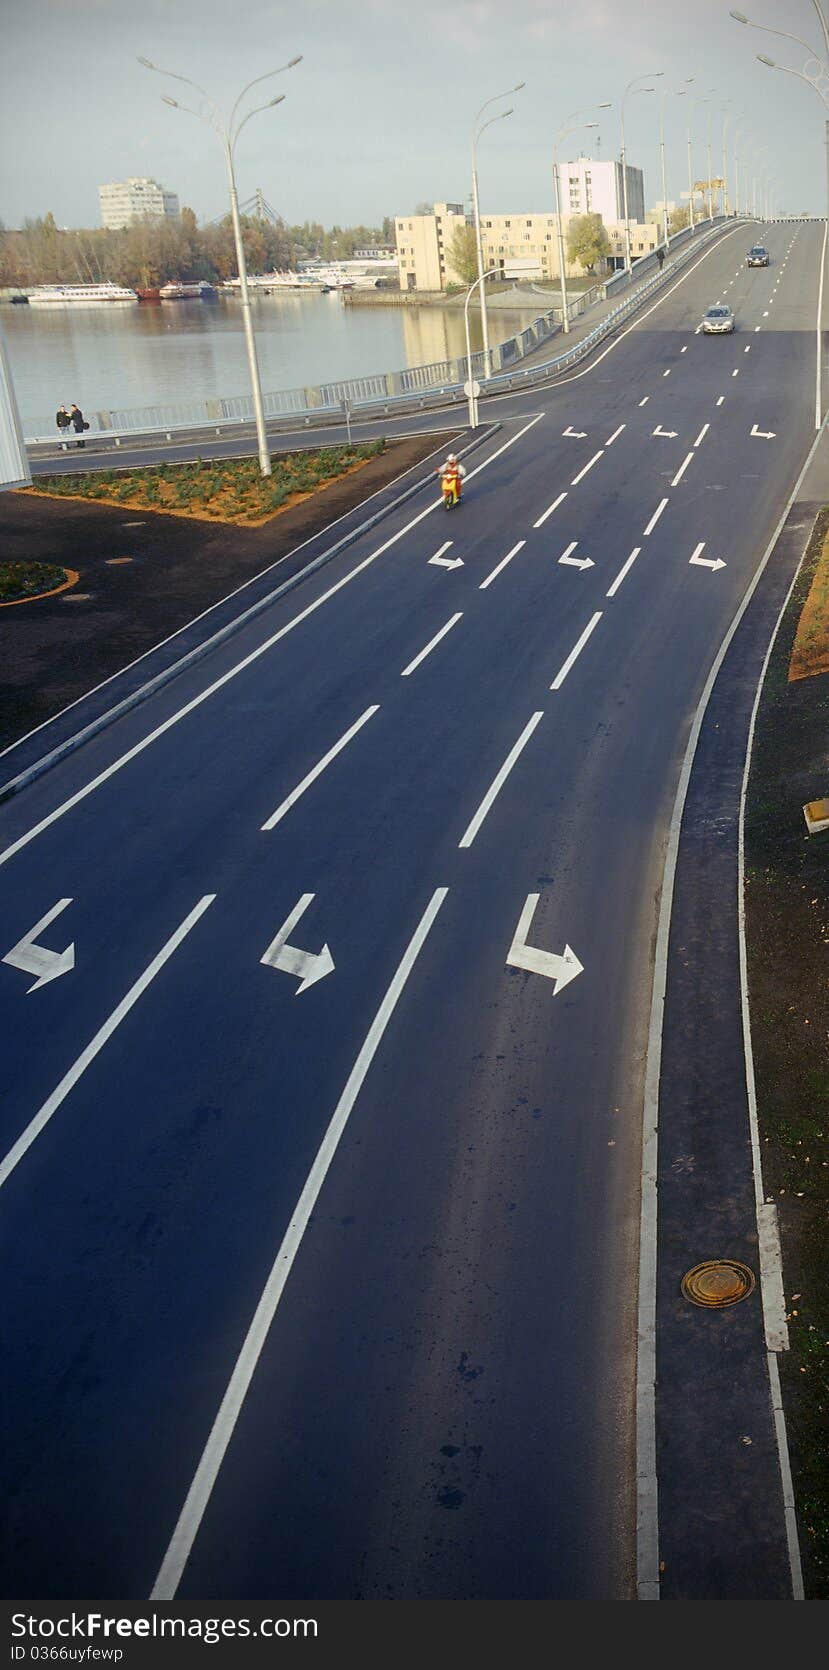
[(623, 571), (818, 370), (502, 564), (247, 661), (294, 796), (104, 1033), (702, 434), (645, 401), (498, 782), (549, 511), (721, 399), (594, 460), (655, 517), (680, 472), (431, 644), (200, 1491), (615, 435), (575, 652)]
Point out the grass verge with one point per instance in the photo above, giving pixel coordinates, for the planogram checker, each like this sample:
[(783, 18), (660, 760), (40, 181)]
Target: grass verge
[(230, 491), (787, 936)]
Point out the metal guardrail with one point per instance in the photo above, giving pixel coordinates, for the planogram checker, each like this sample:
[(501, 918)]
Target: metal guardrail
[(386, 392)]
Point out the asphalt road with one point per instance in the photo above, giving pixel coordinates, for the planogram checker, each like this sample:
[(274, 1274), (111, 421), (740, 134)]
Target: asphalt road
[(332, 1292)]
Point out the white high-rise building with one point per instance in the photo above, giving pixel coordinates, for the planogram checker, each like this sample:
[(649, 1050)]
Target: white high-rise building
[(124, 201), (589, 187)]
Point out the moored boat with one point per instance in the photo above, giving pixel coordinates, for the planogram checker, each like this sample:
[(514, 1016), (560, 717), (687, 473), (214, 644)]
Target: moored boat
[(90, 295), (176, 291), (148, 293)]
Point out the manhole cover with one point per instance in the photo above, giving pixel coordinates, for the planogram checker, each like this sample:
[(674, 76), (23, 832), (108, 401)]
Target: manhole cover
[(718, 1282)]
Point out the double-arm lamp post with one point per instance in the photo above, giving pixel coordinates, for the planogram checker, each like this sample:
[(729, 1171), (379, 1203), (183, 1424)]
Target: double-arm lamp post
[(477, 130), (572, 125), (228, 132), (813, 81), (631, 87)]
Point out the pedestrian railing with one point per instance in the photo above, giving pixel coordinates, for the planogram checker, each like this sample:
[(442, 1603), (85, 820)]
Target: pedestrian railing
[(388, 392)]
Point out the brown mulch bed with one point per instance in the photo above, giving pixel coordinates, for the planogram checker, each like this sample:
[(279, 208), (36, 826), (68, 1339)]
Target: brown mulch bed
[(142, 576), (787, 924)]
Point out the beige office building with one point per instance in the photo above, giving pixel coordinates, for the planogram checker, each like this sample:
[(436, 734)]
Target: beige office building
[(124, 201), (422, 244), (518, 246)]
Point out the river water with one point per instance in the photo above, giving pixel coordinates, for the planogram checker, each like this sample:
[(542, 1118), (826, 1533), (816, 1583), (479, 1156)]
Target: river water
[(142, 355)]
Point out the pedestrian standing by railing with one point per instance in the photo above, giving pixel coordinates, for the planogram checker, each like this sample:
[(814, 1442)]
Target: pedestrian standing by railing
[(78, 423), (62, 417)]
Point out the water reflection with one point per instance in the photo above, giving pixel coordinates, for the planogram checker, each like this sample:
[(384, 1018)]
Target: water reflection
[(146, 355)]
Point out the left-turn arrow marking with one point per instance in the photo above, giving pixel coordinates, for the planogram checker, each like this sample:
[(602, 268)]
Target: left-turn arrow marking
[(562, 969), (309, 966), (38, 959)]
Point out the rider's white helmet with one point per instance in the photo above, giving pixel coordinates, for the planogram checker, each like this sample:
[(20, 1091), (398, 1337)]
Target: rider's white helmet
[(451, 459)]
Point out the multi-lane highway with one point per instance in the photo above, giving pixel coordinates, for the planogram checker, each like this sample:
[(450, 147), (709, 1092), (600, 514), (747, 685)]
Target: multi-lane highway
[(321, 1193)]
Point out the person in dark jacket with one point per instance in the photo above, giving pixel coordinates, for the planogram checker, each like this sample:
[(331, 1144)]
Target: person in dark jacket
[(77, 420), (62, 417)]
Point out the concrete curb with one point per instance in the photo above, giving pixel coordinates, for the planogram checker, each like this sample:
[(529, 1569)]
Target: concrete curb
[(193, 656)]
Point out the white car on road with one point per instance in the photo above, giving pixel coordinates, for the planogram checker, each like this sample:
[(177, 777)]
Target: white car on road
[(718, 320)]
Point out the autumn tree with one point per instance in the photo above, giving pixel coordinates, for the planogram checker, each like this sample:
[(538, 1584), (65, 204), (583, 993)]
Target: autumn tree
[(587, 240), (678, 219), (462, 254)]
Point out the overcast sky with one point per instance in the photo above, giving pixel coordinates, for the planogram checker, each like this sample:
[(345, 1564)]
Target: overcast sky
[(379, 114)]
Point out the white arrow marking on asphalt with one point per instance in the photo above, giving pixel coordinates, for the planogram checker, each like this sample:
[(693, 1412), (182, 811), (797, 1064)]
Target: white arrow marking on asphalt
[(669, 434), (576, 562), (577, 434), (561, 969), (446, 562), (38, 959), (705, 562), (763, 434), (310, 966)]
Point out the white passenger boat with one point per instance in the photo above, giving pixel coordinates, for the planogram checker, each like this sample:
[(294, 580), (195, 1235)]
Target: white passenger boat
[(90, 295)]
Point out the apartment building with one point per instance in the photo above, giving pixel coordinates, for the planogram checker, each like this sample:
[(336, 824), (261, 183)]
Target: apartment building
[(422, 242), (591, 187), (124, 201)]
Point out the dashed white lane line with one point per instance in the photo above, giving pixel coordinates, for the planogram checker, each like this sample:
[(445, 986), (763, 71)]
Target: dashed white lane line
[(615, 435), (594, 460), (680, 473), (655, 517), (549, 511), (747, 349), (317, 770), (645, 401), (667, 373), (502, 564), (684, 350), (221, 1432), (498, 781), (702, 434), (735, 373), (623, 571), (70, 1079), (766, 314), (575, 651), (431, 644), (757, 328), (721, 399), (246, 661)]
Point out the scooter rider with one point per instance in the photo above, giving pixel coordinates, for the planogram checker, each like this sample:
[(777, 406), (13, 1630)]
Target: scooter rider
[(451, 475)]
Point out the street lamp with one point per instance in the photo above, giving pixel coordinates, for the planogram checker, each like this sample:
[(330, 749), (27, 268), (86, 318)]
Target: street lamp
[(680, 93), (470, 386), (476, 134), (802, 75), (228, 132), (563, 133), (691, 182), (631, 86), (727, 116)]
